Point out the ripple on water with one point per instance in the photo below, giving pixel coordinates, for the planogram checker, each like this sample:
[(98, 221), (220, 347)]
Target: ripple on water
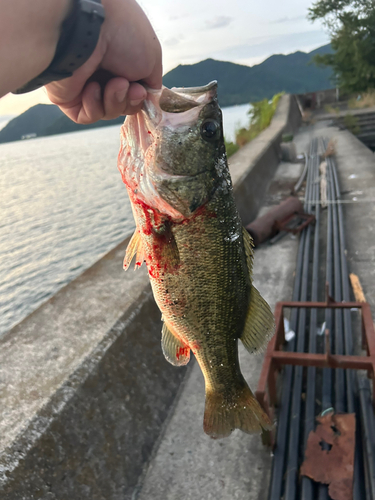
[(62, 207)]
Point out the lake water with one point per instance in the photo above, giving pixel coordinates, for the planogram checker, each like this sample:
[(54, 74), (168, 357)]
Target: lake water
[(62, 207)]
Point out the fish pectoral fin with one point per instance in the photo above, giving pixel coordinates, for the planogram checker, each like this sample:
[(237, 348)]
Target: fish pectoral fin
[(259, 324), (175, 351), (249, 252), (134, 247), (168, 247)]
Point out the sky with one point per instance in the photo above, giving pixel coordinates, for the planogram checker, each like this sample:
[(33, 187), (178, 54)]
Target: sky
[(240, 31)]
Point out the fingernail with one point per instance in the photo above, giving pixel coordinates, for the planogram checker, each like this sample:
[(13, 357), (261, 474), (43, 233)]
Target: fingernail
[(120, 95), (98, 94), (135, 103)]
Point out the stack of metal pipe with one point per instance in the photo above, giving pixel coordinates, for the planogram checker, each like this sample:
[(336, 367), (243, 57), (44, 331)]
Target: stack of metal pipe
[(308, 392)]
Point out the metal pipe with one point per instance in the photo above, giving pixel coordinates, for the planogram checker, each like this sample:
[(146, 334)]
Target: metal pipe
[(340, 406), (278, 463), (307, 484), (303, 175), (369, 433), (358, 492), (291, 473), (327, 375), (265, 227)]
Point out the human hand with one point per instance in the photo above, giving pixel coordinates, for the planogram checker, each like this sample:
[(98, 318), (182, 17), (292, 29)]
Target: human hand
[(105, 86)]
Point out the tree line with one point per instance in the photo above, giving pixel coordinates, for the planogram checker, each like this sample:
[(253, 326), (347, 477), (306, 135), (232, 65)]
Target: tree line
[(351, 25)]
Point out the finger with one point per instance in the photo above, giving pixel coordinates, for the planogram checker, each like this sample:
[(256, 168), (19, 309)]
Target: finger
[(92, 108), (115, 98), (136, 95), (120, 99)]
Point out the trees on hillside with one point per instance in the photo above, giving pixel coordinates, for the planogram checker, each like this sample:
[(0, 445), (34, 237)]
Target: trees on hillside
[(351, 24)]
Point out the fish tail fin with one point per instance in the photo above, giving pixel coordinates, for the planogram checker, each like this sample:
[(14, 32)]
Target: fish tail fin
[(241, 410)]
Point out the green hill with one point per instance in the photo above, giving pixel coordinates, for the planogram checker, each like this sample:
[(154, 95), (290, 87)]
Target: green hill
[(32, 121), (63, 125), (238, 84), (46, 119)]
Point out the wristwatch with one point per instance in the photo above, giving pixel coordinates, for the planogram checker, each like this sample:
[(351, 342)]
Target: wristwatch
[(79, 36)]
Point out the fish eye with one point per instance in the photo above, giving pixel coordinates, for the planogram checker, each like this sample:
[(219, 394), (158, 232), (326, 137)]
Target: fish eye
[(210, 130)]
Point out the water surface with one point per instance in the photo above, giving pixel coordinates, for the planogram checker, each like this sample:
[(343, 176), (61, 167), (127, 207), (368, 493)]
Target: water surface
[(62, 207)]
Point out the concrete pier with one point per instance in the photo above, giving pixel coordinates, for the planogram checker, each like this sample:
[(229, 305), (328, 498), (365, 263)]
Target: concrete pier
[(86, 395)]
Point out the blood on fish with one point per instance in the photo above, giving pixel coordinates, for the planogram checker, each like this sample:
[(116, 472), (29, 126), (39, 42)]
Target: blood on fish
[(182, 351)]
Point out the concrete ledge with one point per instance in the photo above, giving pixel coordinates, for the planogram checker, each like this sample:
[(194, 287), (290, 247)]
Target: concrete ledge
[(254, 165), (84, 387)]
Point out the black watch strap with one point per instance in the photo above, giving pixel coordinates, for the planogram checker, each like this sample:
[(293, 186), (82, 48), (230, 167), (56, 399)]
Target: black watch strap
[(78, 39)]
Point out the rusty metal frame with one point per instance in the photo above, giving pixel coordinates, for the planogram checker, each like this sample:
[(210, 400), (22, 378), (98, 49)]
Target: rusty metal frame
[(275, 357), (282, 225)]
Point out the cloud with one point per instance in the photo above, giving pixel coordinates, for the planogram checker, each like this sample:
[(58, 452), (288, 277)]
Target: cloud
[(268, 45), (174, 40), (284, 20), (218, 22)]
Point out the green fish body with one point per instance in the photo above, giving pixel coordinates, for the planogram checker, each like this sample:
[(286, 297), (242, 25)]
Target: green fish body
[(199, 257)]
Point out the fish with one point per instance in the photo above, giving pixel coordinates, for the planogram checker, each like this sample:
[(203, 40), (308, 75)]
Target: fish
[(199, 257)]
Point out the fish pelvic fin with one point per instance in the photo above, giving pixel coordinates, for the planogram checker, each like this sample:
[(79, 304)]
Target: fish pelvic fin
[(174, 350), (259, 325), (134, 247), (241, 410)]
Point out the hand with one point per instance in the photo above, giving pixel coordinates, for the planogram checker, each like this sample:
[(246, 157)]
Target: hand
[(106, 87)]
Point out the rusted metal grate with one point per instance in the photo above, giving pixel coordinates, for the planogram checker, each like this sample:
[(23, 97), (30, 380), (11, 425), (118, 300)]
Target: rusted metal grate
[(275, 357)]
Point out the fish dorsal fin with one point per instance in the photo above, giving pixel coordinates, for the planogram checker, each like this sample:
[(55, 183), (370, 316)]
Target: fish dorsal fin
[(175, 351), (259, 325), (134, 247), (249, 252)]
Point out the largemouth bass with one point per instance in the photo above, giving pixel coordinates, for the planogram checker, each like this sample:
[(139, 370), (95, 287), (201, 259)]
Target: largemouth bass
[(199, 257)]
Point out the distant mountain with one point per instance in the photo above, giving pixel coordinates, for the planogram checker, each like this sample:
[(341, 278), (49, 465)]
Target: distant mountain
[(238, 84), (46, 119), (32, 121), (63, 125)]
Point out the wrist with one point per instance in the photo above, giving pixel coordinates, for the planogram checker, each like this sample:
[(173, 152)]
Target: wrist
[(77, 41), (56, 12), (29, 36)]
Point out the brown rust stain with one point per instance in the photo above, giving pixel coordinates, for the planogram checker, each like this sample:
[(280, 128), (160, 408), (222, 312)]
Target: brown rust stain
[(329, 455)]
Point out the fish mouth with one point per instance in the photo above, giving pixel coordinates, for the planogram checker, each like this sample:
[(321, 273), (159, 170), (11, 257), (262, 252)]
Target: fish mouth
[(181, 99), (179, 106), (177, 100), (210, 87)]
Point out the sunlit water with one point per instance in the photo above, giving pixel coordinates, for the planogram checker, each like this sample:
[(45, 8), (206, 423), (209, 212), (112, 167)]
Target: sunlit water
[(62, 207)]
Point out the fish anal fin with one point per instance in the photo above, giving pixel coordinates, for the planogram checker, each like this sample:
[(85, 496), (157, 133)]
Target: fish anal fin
[(174, 350), (134, 247), (259, 325), (240, 411)]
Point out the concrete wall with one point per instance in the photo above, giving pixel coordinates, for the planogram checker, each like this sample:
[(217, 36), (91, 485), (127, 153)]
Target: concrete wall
[(254, 165), (85, 390)]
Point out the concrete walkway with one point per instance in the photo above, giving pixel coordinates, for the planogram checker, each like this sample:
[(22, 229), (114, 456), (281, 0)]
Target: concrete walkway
[(187, 464)]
